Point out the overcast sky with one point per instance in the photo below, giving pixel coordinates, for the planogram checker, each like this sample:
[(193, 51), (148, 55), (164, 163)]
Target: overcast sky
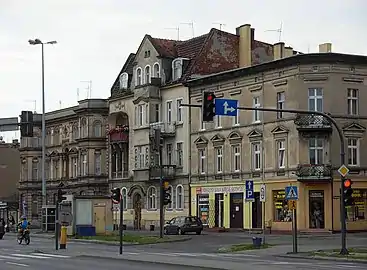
[(95, 37)]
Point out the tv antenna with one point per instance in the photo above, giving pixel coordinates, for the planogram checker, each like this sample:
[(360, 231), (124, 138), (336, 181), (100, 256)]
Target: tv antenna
[(279, 30), (220, 25), (177, 29), (191, 24), (89, 88), (77, 94), (34, 102)]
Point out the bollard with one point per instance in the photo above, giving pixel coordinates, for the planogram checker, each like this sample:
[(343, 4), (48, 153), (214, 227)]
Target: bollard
[(63, 237)]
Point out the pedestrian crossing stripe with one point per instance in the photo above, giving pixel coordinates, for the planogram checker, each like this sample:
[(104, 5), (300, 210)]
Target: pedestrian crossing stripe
[(19, 256), (291, 193)]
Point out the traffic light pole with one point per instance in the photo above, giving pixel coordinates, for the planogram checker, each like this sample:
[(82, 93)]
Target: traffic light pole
[(57, 225), (344, 249), (121, 231), (161, 193)]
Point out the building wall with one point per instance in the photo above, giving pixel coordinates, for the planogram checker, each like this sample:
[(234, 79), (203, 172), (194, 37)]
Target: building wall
[(9, 171)]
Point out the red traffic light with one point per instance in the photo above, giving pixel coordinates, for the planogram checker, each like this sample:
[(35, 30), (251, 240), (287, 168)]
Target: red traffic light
[(347, 183), (210, 97)]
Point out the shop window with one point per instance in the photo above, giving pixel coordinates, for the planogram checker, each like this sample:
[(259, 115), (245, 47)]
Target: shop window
[(358, 210), (281, 210), (203, 208), (316, 209)]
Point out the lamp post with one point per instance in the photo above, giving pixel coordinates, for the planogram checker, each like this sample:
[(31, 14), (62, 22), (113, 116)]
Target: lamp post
[(39, 42)]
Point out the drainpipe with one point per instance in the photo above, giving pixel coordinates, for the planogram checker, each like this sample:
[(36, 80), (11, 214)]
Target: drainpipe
[(189, 161)]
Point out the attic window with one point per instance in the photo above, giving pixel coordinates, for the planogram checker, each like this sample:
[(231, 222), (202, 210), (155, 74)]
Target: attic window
[(156, 71), (146, 54), (176, 69), (124, 77), (147, 74), (138, 76)]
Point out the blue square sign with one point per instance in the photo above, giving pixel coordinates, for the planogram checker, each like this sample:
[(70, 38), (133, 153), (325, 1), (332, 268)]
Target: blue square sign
[(291, 193)]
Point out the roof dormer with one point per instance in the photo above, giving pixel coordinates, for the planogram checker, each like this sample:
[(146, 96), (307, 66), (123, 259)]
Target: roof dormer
[(123, 80), (177, 68)]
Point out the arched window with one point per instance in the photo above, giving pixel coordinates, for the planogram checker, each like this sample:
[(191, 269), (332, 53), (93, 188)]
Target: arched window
[(34, 206), (138, 76), (83, 128), (124, 198), (170, 191), (152, 198), (124, 78), (180, 198), (97, 129), (75, 132), (156, 71), (147, 74), (177, 69)]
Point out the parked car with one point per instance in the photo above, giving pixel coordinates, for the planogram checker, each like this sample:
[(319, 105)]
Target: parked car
[(183, 224), (2, 229)]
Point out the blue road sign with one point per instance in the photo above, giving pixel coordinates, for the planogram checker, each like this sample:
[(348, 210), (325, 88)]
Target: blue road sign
[(226, 106), (291, 193), (250, 190)]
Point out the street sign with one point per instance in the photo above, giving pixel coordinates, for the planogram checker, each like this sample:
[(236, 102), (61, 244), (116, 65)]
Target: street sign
[(226, 106), (343, 170), (9, 124), (262, 193), (66, 217), (291, 193), (292, 204), (250, 196)]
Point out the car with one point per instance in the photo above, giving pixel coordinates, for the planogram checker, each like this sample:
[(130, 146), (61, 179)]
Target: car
[(183, 224)]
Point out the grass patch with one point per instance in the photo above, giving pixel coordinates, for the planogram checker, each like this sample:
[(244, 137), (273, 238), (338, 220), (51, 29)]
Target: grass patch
[(242, 247), (132, 238), (354, 253)]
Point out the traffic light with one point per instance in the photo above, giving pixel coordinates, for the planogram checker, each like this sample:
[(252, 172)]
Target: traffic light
[(60, 195), (26, 124), (116, 195), (166, 194), (348, 192), (208, 107)]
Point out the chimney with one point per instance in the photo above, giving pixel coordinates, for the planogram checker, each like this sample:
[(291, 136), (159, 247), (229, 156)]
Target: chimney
[(288, 52), (325, 48), (279, 50), (245, 34)]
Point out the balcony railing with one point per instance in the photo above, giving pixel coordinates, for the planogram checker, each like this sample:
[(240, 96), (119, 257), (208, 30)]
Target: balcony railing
[(169, 171), (314, 172), (120, 175), (119, 134), (312, 122), (167, 129), (31, 142)]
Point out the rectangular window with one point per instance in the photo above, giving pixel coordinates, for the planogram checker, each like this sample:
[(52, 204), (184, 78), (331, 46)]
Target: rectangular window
[(236, 162), (281, 154), (157, 112), (169, 111), (218, 121), (84, 164), (169, 154), (140, 115), (202, 159), (97, 163), (353, 101), (280, 104), (141, 157), (219, 159), (315, 100), (236, 119), (179, 154), (74, 161), (316, 150), (179, 110), (256, 156), (256, 104), (35, 170), (353, 152), (146, 111), (281, 210)]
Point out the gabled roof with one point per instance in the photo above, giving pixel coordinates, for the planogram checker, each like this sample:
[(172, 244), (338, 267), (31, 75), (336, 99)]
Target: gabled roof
[(127, 67)]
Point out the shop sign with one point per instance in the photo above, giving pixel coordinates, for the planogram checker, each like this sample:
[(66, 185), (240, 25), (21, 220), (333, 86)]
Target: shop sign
[(224, 189)]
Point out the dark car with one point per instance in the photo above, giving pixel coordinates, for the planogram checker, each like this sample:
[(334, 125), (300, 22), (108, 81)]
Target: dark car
[(183, 224)]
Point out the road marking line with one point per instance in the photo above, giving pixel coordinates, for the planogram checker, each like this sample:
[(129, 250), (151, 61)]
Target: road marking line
[(30, 256), (50, 255), (10, 258), (18, 264), (347, 265)]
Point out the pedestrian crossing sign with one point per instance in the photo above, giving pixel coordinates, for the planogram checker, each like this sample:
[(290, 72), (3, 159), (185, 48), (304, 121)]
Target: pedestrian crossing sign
[(291, 193)]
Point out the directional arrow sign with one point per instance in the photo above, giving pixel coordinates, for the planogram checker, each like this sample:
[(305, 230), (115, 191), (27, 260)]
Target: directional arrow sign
[(226, 107)]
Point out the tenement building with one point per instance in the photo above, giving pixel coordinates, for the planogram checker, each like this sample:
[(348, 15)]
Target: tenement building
[(75, 155), (146, 96), (282, 149)]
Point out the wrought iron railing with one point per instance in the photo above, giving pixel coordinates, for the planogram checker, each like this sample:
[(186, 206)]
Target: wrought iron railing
[(168, 171), (312, 121), (314, 171)]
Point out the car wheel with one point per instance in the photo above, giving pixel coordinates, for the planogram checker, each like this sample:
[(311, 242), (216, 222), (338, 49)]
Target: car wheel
[(181, 232), (198, 232), (165, 231)]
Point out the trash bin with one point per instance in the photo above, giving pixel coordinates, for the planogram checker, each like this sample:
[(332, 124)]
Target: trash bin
[(256, 242), (151, 227)]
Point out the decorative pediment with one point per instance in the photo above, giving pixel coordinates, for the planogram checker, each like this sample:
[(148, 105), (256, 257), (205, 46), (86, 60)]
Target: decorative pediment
[(235, 137), (141, 98), (255, 133), (73, 150), (279, 130), (217, 139), (54, 154), (201, 141), (354, 127)]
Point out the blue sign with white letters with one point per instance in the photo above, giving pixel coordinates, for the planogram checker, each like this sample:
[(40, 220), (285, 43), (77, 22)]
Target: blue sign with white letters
[(250, 195), (226, 107), (291, 193)]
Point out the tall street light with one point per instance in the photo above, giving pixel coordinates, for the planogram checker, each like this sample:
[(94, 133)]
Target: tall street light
[(39, 42)]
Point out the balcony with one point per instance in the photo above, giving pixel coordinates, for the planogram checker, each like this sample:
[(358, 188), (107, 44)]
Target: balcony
[(119, 134), (167, 129), (151, 90), (30, 144), (314, 172), (169, 172), (313, 123)]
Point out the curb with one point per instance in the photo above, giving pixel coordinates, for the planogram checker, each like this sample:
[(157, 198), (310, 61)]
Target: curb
[(113, 243), (315, 257)]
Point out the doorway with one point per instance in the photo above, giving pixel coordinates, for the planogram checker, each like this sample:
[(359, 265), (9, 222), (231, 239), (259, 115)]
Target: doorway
[(257, 216), (236, 210), (100, 219), (219, 207), (316, 209), (137, 211)]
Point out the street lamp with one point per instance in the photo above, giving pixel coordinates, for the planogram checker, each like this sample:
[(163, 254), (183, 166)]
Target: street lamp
[(39, 42)]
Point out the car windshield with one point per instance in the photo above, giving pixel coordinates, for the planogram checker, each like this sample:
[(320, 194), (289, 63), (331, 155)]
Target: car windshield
[(192, 220)]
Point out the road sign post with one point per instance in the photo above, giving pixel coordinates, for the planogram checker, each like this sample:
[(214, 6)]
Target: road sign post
[(249, 197), (263, 200), (291, 195)]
